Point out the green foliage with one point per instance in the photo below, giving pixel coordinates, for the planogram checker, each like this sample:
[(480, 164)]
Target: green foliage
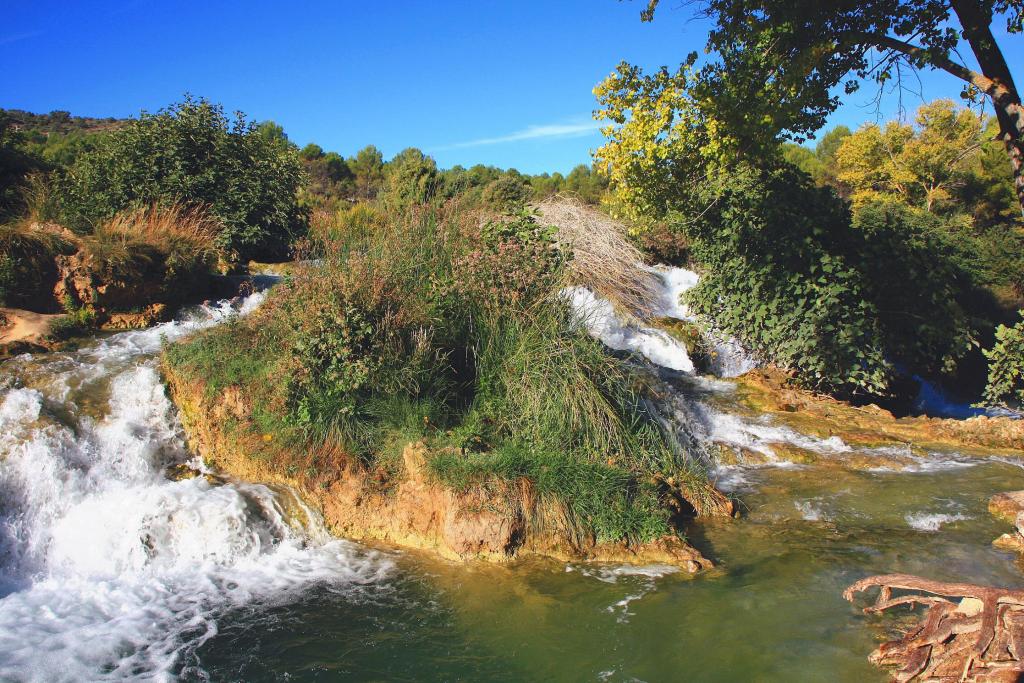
[(920, 282), (8, 277), (409, 179), (368, 168), (1006, 366), (600, 497), (780, 280), (77, 321), (15, 165), (192, 153), (790, 57), (27, 257), (842, 300), (431, 325), (919, 165), (507, 193)]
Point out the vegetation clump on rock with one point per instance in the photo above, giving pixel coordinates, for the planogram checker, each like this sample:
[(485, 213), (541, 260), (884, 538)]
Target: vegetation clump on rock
[(447, 325)]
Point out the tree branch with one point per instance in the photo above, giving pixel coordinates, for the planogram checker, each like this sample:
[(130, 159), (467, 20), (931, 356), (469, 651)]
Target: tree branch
[(995, 90)]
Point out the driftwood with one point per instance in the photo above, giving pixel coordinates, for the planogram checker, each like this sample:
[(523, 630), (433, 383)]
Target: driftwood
[(969, 633)]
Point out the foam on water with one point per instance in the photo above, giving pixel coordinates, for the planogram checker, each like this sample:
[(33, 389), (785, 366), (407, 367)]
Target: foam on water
[(108, 569), (810, 510), (931, 521), (728, 359), (758, 434), (642, 580), (601, 320)]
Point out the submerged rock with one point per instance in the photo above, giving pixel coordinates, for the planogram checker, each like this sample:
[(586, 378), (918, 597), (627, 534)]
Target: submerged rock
[(1007, 505)]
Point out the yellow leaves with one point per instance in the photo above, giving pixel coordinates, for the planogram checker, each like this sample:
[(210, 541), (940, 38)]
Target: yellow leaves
[(918, 163)]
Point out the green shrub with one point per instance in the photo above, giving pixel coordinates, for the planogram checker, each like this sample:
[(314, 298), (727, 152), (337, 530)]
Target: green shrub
[(508, 193), (78, 321), (774, 278), (842, 301), (918, 279), (1006, 366), (8, 277), (28, 269), (193, 154)]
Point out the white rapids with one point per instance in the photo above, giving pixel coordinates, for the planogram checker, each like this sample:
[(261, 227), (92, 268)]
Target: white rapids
[(109, 570), (656, 345)]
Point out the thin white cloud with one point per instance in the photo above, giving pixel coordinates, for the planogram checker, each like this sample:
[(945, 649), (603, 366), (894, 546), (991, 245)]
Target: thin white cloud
[(548, 131), (14, 38)]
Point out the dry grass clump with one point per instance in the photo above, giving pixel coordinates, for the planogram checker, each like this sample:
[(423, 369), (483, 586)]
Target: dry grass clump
[(28, 237), (175, 237), (165, 225), (603, 258)]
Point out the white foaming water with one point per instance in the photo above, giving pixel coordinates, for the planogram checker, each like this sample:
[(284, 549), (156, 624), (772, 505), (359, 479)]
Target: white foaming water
[(758, 435), (729, 358), (108, 569), (810, 510), (642, 578), (926, 521), (674, 283), (601, 320)]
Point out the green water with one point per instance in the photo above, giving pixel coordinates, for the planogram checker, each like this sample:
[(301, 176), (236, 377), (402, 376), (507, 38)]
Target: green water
[(771, 611)]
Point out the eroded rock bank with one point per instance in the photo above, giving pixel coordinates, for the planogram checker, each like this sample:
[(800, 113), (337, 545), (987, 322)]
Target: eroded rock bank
[(765, 392), (495, 521)]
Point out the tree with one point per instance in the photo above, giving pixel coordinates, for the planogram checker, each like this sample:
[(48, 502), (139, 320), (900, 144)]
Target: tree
[(273, 133), (825, 152), (311, 151), (410, 178), (368, 168), (920, 166), (15, 165), (788, 56)]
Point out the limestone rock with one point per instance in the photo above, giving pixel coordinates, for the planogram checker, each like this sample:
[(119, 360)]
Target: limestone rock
[(1007, 505)]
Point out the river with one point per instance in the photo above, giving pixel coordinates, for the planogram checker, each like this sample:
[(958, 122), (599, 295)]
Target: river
[(113, 568)]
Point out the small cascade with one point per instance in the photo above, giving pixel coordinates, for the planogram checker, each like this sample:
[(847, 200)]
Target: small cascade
[(621, 332), (109, 570)]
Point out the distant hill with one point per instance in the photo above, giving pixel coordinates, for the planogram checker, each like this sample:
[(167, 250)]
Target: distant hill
[(60, 122)]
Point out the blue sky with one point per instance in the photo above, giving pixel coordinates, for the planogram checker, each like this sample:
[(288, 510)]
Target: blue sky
[(503, 83)]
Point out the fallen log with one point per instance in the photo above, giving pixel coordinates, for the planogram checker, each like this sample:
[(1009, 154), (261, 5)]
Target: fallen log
[(969, 633)]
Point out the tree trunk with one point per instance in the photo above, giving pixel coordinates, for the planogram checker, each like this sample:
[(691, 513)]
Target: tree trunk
[(1004, 94)]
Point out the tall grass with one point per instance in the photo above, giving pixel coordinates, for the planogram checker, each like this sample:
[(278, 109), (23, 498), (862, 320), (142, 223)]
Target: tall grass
[(171, 238), (27, 269)]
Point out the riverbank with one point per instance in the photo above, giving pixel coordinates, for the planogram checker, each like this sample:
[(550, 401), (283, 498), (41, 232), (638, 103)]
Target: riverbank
[(493, 521), (857, 437)]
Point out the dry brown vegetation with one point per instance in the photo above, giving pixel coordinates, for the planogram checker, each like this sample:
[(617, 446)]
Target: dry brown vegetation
[(603, 258), (173, 236)]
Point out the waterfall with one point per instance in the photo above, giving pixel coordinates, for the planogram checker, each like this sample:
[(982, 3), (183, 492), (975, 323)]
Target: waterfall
[(109, 569), (620, 333)]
